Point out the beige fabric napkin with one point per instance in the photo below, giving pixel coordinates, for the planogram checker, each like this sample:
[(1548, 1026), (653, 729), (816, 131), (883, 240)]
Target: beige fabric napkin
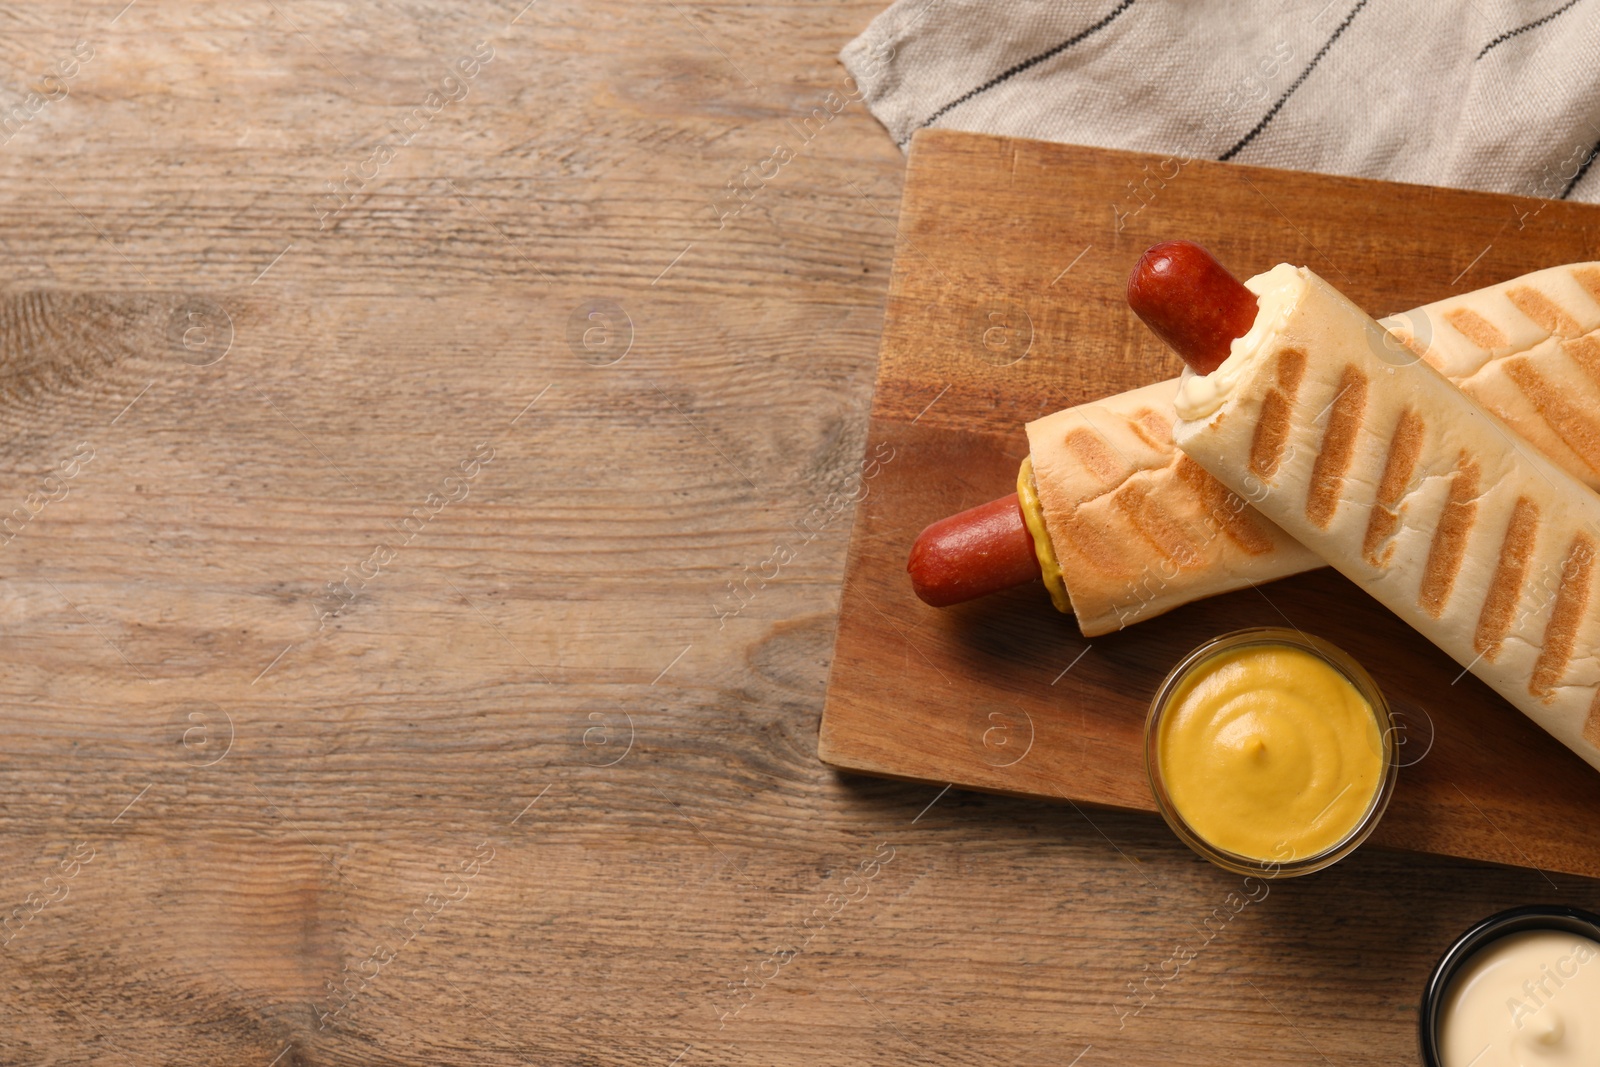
[(1483, 95)]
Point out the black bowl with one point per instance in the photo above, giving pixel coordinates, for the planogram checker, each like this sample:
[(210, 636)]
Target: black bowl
[(1533, 917)]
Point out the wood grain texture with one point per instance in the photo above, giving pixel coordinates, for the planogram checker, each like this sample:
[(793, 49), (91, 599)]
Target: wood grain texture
[(1010, 304), (680, 897)]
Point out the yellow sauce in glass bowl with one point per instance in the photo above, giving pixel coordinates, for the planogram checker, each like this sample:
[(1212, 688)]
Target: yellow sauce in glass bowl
[(1269, 750)]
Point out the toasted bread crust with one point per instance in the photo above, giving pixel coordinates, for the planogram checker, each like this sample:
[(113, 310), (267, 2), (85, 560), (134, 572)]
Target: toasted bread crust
[(1338, 447), (1450, 535), (1585, 352), (1577, 427), (1159, 527), (1475, 328), (1510, 572), (1241, 524), (1152, 428), (1588, 276), (1542, 310), (1405, 445), (1272, 429), (1094, 455), (1560, 633)]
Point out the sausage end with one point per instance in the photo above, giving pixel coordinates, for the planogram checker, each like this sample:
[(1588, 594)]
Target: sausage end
[(980, 551)]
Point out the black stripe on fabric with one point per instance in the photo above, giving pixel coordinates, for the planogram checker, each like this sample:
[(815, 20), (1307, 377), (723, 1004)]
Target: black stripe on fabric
[(1535, 24), (1304, 74), (1012, 72), (1588, 160)]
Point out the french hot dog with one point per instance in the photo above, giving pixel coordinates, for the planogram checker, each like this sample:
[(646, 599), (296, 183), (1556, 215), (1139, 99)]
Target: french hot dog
[(1135, 529), (1376, 461)]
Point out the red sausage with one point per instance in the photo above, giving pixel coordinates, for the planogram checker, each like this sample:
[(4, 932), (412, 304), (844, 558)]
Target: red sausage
[(980, 551), (1191, 302)]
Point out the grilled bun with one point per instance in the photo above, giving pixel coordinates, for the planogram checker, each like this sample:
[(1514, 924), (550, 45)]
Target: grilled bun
[(1140, 529), (1378, 463)]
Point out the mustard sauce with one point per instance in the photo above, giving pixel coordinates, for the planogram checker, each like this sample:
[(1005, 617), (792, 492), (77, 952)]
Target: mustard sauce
[(1043, 548), (1269, 752)]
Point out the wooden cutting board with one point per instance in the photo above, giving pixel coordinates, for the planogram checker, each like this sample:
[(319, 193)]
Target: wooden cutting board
[(1006, 304)]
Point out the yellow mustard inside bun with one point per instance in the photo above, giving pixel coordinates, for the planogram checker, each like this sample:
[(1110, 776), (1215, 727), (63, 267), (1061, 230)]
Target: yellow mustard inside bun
[(1033, 515)]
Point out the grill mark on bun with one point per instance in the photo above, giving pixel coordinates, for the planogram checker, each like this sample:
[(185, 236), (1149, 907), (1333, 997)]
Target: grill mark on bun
[(1092, 544), (1576, 427), (1475, 328), (1450, 537), (1588, 276), (1152, 429), (1405, 447), (1291, 369), (1155, 524), (1510, 572), (1338, 447), (1409, 339), (1237, 520), (1561, 632), (1549, 315), (1272, 428), (1591, 725), (1585, 352), (1088, 449)]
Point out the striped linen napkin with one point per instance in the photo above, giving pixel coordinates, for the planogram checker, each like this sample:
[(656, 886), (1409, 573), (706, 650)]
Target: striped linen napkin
[(1470, 93)]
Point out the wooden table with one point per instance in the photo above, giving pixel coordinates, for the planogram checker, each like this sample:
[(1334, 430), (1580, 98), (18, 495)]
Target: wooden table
[(374, 688)]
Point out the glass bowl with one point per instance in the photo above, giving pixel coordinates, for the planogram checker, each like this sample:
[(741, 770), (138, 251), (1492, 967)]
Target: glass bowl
[(1289, 865)]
